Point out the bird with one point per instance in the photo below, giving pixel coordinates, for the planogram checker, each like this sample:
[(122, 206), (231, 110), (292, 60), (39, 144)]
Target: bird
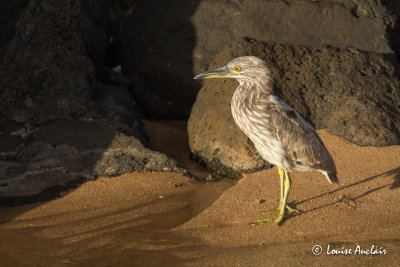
[(280, 134)]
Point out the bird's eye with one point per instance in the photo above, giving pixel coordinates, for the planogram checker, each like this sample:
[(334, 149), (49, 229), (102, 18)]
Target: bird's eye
[(237, 68)]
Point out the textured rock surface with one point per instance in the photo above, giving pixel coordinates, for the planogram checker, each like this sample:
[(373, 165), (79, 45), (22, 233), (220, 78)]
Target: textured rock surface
[(156, 51), (353, 94), (340, 23), (9, 14), (44, 72), (62, 118), (162, 51), (96, 37), (108, 142), (60, 152)]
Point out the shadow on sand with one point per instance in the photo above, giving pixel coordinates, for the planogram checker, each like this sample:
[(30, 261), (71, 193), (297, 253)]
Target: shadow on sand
[(393, 185)]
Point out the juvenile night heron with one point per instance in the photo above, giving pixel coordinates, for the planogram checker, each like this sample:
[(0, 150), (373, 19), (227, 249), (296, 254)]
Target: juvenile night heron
[(280, 134)]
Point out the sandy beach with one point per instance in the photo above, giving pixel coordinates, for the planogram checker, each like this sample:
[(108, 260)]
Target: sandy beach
[(168, 219)]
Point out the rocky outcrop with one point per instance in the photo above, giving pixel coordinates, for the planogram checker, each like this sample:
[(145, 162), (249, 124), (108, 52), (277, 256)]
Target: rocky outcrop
[(9, 14), (45, 73), (63, 118), (352, 93), (108, 142), (155, 41), (161, 51), (35, 159), (362, 25)]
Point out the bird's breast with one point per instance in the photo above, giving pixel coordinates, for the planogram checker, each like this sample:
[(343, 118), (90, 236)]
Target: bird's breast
[(254, 120), (249, 115)]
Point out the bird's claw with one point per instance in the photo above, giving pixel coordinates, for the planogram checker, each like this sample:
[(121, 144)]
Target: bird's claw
[(271, 210), (277, 220), (290, 209)]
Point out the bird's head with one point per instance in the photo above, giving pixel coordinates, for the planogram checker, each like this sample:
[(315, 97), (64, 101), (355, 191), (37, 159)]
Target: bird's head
[(243, 69)]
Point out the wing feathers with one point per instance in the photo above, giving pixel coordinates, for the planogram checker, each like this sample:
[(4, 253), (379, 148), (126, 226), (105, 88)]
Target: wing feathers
[(300, 142)]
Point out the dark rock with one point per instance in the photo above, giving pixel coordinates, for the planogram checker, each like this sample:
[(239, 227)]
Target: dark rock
[(12, 137), (117, 108), (45, 73), (301, 22), (63, 151), (9, 14), (352, 93), (96, 36), (156, 52), (161, 51), (109, 76), (62, 119)]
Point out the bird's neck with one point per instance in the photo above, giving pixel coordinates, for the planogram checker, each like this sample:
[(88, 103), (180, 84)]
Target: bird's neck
[(253, 89)]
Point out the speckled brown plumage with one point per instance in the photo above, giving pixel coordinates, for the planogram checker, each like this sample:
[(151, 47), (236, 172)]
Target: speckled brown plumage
[(279, 133)]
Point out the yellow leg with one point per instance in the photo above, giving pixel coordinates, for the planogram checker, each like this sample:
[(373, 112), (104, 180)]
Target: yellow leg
[(285, 189), (282, 178), (285, 197)]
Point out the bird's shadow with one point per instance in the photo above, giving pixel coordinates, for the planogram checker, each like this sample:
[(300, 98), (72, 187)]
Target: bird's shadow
[(393, 185)]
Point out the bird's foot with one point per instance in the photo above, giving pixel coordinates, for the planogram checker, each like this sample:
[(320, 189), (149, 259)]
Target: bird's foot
[(277, 220), (290, 209), (280, 218)]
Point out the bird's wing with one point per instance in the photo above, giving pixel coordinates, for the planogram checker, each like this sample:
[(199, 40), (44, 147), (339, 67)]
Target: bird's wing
[(299, 140)]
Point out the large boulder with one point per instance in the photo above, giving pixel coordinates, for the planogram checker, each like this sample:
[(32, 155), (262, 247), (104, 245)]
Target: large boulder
[(161, 51), (59, 153), (45, 73), (63, 117), (96, 36), (155, 41), (352, 93), (363, 25)]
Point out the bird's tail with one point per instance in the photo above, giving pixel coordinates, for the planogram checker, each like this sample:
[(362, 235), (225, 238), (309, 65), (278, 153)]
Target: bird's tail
[(333, 178), (330, 176)]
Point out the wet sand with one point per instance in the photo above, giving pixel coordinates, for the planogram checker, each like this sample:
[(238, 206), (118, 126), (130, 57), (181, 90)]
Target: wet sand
[(167, 219)]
